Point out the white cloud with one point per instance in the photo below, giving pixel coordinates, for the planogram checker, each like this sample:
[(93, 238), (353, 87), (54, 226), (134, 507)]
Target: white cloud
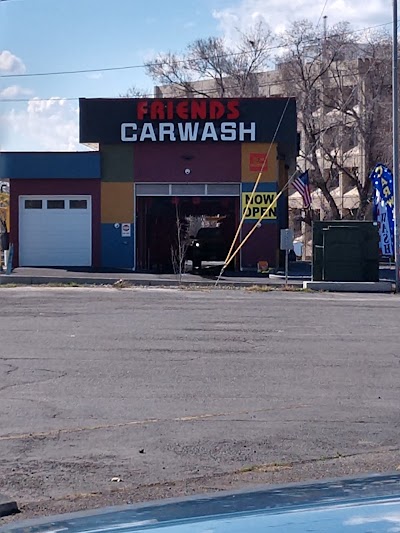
[(10, 63), (14, 91), (94, 75), (278, 15), (50, 125)]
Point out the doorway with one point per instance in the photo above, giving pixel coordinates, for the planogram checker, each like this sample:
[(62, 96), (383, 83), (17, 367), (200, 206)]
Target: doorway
[(157, 225)]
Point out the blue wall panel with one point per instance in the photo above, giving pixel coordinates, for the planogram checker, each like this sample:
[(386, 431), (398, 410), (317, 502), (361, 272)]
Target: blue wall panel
[(116, 251), (261, 187), (50, 165)]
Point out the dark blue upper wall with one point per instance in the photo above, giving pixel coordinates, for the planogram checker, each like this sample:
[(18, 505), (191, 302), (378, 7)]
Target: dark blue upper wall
[(50, 165)]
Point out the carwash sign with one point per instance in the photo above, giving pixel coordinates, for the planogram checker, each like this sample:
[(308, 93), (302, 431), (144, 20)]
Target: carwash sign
[(189, 120), (196, 120)]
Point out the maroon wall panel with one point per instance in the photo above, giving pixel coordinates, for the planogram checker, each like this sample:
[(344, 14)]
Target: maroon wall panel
[(261, 246), (57, 186), (167, 162)]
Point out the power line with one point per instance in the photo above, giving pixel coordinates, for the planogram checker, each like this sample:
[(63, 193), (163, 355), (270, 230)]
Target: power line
[(322, 12), (211, 90), (182, 61)]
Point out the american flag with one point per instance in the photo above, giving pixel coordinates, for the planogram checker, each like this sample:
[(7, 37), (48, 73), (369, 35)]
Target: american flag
[(302, 186)]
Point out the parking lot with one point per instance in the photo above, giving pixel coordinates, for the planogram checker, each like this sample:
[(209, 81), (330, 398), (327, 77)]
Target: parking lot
[(110, 396)]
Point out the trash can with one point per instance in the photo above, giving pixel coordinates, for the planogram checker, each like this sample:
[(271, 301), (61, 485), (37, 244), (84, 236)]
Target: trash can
[(345, 251)]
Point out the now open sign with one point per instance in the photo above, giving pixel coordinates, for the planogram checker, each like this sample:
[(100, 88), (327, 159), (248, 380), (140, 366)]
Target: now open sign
[(259, 205)]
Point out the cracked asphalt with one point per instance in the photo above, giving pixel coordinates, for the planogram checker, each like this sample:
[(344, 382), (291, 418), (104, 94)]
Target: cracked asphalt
[(171, 392)]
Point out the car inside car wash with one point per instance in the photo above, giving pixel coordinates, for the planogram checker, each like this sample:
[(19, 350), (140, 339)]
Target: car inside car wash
[(157, 171)]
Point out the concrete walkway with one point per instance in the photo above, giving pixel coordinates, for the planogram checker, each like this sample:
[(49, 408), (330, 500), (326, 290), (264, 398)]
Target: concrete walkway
[(40, 276), (299, 277)]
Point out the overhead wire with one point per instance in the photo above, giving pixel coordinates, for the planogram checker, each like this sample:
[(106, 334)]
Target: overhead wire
[(181, 61), (149, 95), (211, 90), (322, 12)]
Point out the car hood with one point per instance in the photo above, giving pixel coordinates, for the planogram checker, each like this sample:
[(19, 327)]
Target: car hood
[(364, 504)]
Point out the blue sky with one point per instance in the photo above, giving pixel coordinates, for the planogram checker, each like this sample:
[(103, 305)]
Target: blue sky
[(55, 35)]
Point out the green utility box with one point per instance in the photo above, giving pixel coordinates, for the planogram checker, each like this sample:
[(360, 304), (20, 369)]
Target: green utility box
[(345, 251)]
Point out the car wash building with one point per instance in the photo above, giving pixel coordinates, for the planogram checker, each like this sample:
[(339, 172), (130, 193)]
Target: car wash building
[(116, 207)]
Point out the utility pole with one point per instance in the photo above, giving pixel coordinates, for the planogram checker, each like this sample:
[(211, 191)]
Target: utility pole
[(396, 188), (323, 83)]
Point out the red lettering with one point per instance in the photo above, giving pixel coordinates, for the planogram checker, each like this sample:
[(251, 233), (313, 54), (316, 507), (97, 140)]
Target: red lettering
[(157, 110), (217, 110), (170, 110), (233, 109), (142, 109), (182, 110), (198, 109)]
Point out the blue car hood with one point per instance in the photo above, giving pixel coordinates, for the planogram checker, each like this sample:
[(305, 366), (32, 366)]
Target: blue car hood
[(365, 504)]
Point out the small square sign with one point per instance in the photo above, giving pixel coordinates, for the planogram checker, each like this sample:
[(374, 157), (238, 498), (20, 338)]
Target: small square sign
[(257, 161)]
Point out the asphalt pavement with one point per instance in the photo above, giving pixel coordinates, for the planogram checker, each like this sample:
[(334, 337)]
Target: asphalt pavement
[(112, 396)]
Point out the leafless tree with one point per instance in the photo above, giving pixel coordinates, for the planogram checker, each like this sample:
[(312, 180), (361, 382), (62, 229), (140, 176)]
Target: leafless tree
[(179, 248), (233, 70), (341, 88), (135, 92), (363, 108)]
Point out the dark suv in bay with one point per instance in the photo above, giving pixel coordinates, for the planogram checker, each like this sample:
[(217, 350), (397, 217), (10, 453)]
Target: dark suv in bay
[(208, 245)]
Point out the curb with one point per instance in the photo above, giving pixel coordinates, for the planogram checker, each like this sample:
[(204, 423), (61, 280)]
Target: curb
[(7, 506), (46, 280), (343, 286)]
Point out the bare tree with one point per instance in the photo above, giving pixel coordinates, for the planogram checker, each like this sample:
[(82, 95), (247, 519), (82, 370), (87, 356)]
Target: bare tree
[(361, 99), (179, 248), (135, 92), (341, 88), (232, 70)]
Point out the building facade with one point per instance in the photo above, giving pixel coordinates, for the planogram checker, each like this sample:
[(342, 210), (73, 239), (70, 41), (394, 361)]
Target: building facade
[(154, 161)]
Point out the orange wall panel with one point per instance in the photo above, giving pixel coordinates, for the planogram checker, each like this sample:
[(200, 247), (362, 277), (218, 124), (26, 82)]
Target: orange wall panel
[(253, 155), (117, 202)]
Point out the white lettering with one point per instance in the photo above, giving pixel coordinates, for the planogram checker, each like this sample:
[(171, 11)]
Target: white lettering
[(247, 131), (387, 250), (167, 129), (209, 132), (148, 132), (127, 129), (188, 131), (228, 131)]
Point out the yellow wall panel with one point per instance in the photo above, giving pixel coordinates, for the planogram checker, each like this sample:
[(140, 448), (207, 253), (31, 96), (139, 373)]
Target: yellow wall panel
[(253, 155), (117, 202)]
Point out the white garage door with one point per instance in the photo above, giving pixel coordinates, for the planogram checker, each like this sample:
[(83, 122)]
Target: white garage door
[(55, 231)]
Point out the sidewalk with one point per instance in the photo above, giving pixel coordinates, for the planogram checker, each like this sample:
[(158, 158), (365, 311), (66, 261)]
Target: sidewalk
[(41, 276), (299, 273)]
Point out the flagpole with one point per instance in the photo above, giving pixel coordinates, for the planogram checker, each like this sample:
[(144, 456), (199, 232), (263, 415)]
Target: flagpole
[(396, 187)]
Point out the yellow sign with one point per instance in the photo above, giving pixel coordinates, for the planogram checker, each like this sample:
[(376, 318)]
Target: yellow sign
[(259, 203)]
